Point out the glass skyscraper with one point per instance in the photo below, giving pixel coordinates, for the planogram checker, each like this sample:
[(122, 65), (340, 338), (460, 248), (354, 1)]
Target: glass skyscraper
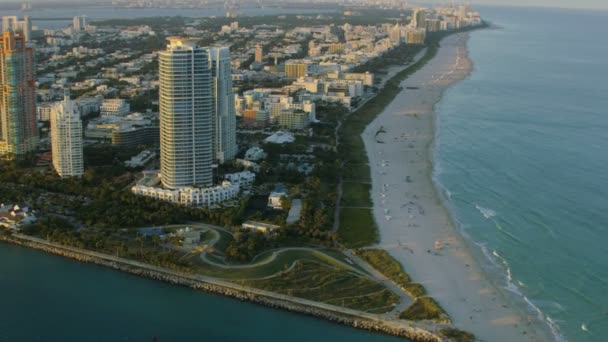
[(224, 114)]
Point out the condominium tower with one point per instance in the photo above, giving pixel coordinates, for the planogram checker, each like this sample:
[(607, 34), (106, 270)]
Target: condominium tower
[(66, 139), (224, 114), (13, 24), (186, 114), (18, 131), (79, 23)]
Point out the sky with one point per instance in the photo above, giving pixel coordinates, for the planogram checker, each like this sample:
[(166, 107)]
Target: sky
[(603, 4)]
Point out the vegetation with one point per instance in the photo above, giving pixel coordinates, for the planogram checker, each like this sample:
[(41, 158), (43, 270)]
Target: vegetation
[(424, 308), (329, 285), (456, 335), (356, 195), (124, 243), (382, 261), (357, 227)]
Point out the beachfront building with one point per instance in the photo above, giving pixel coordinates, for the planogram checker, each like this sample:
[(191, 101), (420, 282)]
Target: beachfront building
[(66, 139), (18, 130), (415, 36), (186, 114), (229, 189), (224, 115)]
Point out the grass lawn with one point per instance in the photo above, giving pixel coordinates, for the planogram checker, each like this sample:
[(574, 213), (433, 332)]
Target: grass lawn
[(357, 227), (392, 269), (357, 173), (282, 262), (356, 195), (325, 284)]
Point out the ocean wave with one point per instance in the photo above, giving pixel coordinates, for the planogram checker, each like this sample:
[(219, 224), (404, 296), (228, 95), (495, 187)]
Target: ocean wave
[(498, 261), (487, 213)]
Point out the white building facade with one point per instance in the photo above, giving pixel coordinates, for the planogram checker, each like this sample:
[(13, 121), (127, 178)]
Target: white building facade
[(66, 139), (186, 114)]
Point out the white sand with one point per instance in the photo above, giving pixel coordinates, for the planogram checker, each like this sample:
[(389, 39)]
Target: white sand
[(416, 218)]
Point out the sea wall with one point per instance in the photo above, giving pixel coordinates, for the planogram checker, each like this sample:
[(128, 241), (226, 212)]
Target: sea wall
[(331, 313)]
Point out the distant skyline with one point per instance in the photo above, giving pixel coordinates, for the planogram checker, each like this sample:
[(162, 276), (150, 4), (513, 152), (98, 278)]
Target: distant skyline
[(591, 4)]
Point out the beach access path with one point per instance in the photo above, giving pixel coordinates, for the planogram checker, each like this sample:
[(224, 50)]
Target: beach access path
[(411, 217)]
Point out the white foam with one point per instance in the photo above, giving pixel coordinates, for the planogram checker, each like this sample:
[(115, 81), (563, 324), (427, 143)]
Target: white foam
[(497, 259), (487, 213)]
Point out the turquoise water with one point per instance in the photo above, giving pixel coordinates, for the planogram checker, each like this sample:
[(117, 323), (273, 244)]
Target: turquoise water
[(523, 158), (49, 298)]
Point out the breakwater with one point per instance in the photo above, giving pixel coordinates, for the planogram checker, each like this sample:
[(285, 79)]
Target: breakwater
[(344, 316)]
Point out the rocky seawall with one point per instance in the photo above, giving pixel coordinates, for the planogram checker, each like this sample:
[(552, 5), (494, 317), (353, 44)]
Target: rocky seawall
[(331, 313)]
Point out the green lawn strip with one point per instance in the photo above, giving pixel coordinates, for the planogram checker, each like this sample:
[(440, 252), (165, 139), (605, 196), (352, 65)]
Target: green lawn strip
[(357, 227), (356, 195), (382, 261), (318, 282), (358, 173), (424, 308), (456, 335)]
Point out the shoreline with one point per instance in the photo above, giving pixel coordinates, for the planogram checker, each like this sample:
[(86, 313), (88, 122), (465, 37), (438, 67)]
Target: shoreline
[(343, 316), (418, 213)]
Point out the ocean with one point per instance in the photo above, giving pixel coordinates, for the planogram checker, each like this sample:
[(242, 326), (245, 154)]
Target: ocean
[(522, 157), (50, 298)]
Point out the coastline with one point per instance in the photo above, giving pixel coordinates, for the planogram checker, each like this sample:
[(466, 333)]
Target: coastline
[(344, 316), (411, 214)]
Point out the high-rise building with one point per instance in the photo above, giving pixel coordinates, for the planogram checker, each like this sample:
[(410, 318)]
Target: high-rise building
[(25, 26), (462, 12), (419, 18), (13, 24), (395, 34), (296, 69), (186, 114), (259, 54), (224, 115), (18, 131), (79, 23), (9, 23), (66, 139)]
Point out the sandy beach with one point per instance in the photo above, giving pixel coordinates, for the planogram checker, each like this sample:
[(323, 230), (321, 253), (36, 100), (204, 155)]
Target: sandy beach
[(411, 218)]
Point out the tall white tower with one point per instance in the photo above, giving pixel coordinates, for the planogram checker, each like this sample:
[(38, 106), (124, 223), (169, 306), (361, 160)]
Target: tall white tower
[(186, 113), (224, 114), (66, 139)]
